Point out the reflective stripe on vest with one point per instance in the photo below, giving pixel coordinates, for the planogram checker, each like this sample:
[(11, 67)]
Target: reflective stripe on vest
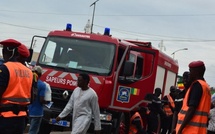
[(202, 113), (197, 113), (158, 102), (21, 100), (198, 123), (132, 128), (179, 100), (194, 124), (19, 87)]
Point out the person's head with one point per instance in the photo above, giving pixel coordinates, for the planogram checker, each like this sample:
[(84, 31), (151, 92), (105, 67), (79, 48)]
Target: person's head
[(172, 90), (38, 70), (14, 50), (83, 80), (197, 70), (186, 79), (158, 91)]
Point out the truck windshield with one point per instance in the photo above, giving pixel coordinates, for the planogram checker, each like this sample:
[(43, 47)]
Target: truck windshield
[(78, 55)]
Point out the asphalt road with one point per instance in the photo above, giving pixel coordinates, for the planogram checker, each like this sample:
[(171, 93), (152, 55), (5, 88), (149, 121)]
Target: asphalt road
[(67, 132)]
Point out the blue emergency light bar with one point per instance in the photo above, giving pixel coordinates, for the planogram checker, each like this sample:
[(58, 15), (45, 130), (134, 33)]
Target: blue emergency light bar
[(107, 31), (68, 27)]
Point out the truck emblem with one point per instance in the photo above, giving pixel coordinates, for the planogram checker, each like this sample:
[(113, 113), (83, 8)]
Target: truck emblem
[(80, 35), (65, 94), (123, 94)]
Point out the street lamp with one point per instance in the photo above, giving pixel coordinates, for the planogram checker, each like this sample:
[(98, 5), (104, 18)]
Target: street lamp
[(177, 51)]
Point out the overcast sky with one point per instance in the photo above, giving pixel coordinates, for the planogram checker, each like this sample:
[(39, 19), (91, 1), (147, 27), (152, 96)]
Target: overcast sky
[(180, 24)]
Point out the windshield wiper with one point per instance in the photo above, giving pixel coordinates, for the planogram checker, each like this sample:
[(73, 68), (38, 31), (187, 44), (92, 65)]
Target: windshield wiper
[(56, 67), (85, 71)]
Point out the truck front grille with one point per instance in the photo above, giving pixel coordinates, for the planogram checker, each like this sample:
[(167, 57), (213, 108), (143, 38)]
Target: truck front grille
[(59, 99)]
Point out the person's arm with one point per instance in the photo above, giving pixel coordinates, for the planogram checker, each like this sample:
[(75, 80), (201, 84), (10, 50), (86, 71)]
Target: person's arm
[(96, 114), (68, 108), (193, 102), (178, 103), (159, 107), (4, 79), (174, 121), (187, 118), (42, 89)]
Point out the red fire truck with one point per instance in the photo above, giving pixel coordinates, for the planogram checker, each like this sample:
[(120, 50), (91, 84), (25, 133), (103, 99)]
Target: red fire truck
[(121, 72)]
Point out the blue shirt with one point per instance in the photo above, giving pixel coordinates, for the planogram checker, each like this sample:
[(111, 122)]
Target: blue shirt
[(36, 108)]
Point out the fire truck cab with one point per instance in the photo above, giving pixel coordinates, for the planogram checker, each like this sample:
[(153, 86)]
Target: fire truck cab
[(121, 72)]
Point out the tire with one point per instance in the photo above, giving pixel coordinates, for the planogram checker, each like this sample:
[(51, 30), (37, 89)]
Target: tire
[(122, 124)]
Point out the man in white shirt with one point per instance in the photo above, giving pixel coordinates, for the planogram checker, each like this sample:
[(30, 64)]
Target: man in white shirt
[(84, 103), (211, 122)]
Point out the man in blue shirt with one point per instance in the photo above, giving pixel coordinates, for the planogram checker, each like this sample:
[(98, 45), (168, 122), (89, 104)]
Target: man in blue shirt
[(36, 108)]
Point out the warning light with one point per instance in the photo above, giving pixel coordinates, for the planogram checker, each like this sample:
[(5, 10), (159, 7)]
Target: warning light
[(68, 27), (107, 31)]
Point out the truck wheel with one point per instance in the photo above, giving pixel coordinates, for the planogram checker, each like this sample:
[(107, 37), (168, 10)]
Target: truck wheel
[(123, 127)]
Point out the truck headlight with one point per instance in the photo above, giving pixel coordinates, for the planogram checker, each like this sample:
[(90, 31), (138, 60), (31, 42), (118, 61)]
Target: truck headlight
[(106, 117)]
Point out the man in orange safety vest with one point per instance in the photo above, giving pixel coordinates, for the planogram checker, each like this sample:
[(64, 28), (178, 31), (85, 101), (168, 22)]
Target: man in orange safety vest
[(193, 117), (15, 87), (168, 107)]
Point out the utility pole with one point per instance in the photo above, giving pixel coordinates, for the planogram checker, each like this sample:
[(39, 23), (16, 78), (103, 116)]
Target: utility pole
[(94, 3)]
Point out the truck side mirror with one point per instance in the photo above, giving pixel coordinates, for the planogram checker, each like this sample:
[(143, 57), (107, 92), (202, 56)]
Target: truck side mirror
[(31, 54), (128, 68)]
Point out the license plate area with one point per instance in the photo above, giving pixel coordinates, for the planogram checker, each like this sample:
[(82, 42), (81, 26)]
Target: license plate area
[(62, 123)]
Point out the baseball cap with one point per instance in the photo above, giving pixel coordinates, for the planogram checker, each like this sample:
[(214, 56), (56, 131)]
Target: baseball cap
[(22, 49), (195, 64), (38, 69)]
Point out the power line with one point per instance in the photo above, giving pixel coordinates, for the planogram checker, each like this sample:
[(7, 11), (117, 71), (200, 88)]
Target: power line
[(160, 36), (23, 26), (178, 39), (122, 15), (42, 13)]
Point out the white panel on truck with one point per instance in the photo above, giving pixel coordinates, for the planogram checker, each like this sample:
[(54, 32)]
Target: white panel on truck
[(170, 81), (159, 77)]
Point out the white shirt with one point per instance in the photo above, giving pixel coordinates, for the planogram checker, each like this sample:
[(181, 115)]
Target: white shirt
[(211, 124), (84, 104)]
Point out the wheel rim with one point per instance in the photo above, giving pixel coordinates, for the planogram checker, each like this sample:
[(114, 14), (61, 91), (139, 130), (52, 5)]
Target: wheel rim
[(122, 127)]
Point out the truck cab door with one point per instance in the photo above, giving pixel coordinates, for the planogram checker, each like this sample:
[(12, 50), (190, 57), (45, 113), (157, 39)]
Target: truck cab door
[(138, 64)]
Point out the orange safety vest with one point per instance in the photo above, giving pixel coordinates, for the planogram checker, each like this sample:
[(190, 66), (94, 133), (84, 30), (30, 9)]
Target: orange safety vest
[(167, 108), (132, 128), (198, 123), (18, 90)]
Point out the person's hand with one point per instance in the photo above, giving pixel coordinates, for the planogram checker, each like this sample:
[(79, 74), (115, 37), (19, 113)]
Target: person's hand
[(58, 119), (97, 131)]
